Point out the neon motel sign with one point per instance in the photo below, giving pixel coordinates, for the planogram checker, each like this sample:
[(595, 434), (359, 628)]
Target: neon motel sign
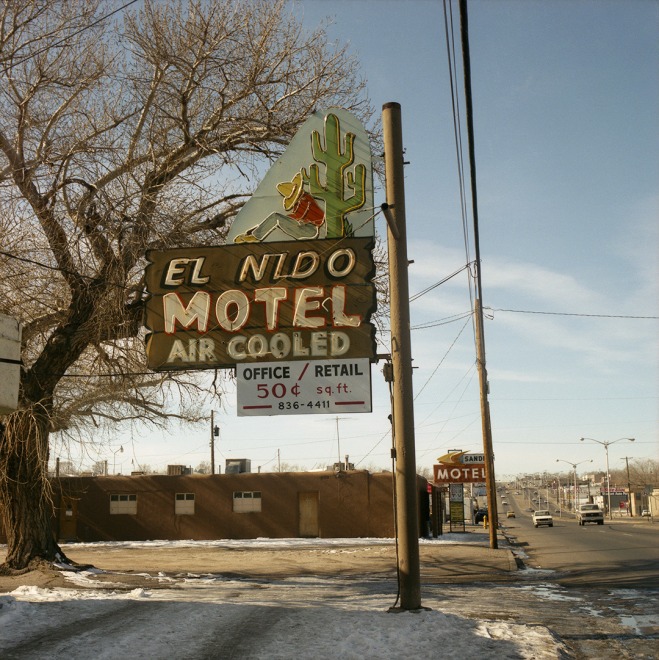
[(215, 308), (295, 281)]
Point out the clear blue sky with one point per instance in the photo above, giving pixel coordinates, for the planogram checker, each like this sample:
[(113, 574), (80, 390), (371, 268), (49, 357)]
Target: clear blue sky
[(566, 112)]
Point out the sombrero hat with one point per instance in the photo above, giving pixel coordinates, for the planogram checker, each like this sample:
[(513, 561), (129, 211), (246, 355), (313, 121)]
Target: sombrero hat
[(291, 191)]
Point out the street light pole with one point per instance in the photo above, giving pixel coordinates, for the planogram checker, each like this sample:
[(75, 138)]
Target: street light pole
[(574, 467), (606, 444), (114, 459), (608, 482)]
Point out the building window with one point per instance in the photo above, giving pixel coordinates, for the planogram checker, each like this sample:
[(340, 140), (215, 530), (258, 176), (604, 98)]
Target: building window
[(247, 501), (184, 504), (123, 504)]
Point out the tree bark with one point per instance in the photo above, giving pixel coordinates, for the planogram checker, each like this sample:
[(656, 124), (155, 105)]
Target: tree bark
[(25, 492)]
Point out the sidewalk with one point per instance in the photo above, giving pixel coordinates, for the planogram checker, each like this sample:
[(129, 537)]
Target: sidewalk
[(469, 554)]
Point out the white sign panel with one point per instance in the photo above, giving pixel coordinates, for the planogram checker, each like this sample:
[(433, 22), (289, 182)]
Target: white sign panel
[(10, 363), (468, 459), (304, 387)]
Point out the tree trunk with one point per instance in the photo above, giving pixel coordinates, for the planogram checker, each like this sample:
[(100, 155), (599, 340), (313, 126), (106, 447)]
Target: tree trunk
[(25, 492)]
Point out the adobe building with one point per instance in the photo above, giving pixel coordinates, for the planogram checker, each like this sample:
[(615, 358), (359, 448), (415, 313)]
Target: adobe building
[(329, 504)]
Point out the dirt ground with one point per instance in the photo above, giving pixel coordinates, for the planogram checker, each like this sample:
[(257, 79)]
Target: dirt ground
[(141, 567)]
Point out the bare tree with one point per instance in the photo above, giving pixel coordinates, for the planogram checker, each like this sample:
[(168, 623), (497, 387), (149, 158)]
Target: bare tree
[(642, 472), (121, 132)]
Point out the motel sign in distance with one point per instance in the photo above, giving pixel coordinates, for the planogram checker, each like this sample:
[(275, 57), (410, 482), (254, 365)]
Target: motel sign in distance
[(460, 467)]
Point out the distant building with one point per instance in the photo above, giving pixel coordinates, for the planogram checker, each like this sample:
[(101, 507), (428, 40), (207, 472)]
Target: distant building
[(174, 470), (238, 465)]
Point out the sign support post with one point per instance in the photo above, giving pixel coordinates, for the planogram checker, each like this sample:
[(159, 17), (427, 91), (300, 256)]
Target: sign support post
[(407, 523)]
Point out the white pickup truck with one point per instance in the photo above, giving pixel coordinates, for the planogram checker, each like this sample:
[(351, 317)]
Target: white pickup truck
[(542, 518), (590, 513)]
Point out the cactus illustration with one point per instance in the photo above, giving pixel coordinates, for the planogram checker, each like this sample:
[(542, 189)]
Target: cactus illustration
[(339, 181)]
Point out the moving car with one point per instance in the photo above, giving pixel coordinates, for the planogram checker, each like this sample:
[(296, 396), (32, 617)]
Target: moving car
[(542, 517), (590, 513), (510, 514)]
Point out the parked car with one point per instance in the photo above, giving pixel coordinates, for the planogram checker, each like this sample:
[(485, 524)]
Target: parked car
[(510, 514), (590, 513), (645, 513), (479, 515), (542, 517)]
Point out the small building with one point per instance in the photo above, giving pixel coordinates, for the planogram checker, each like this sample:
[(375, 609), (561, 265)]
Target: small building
[(237, 465), (174, 470), (330, 504)]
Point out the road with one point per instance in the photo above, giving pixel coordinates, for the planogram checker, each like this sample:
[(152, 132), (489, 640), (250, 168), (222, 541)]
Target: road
[(622, 553), (596, 587)]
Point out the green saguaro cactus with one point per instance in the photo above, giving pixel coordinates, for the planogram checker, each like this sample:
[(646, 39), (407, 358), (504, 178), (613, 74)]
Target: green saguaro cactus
[(338, 181)]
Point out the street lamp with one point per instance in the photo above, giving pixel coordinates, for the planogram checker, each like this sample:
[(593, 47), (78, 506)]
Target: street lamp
[(606, 444), (114, 459), (574, 467)]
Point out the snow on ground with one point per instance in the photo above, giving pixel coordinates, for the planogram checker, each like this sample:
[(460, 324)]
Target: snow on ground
[(264, 543), (302, 617)]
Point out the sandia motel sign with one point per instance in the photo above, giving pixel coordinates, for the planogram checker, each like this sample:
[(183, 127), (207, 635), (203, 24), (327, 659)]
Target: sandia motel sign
[(460, 467), (295, 281)]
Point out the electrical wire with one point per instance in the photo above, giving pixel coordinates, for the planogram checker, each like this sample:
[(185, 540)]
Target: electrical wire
[(442, 360), (457, 128), (73, 34), (32, 262), (375, 211), (457, 133), (444, 321), (582, 314), (416, 296)]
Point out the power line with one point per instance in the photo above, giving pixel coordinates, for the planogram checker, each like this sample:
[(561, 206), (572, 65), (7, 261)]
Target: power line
[(442, 360), (64, 270), (132, 288), (457, 128), (416, 296), (73, 34), (600, 316), (444, 321)]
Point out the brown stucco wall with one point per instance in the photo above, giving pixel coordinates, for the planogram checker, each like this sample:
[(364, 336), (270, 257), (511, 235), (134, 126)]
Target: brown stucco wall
[(351, 504)]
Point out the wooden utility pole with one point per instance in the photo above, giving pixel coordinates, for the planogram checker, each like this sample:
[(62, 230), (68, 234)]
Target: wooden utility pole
[(490, 482), (630, 510), (492, 513), (407, 508)]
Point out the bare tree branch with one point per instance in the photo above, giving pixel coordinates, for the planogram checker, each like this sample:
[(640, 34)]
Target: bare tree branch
[(116, 136)]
